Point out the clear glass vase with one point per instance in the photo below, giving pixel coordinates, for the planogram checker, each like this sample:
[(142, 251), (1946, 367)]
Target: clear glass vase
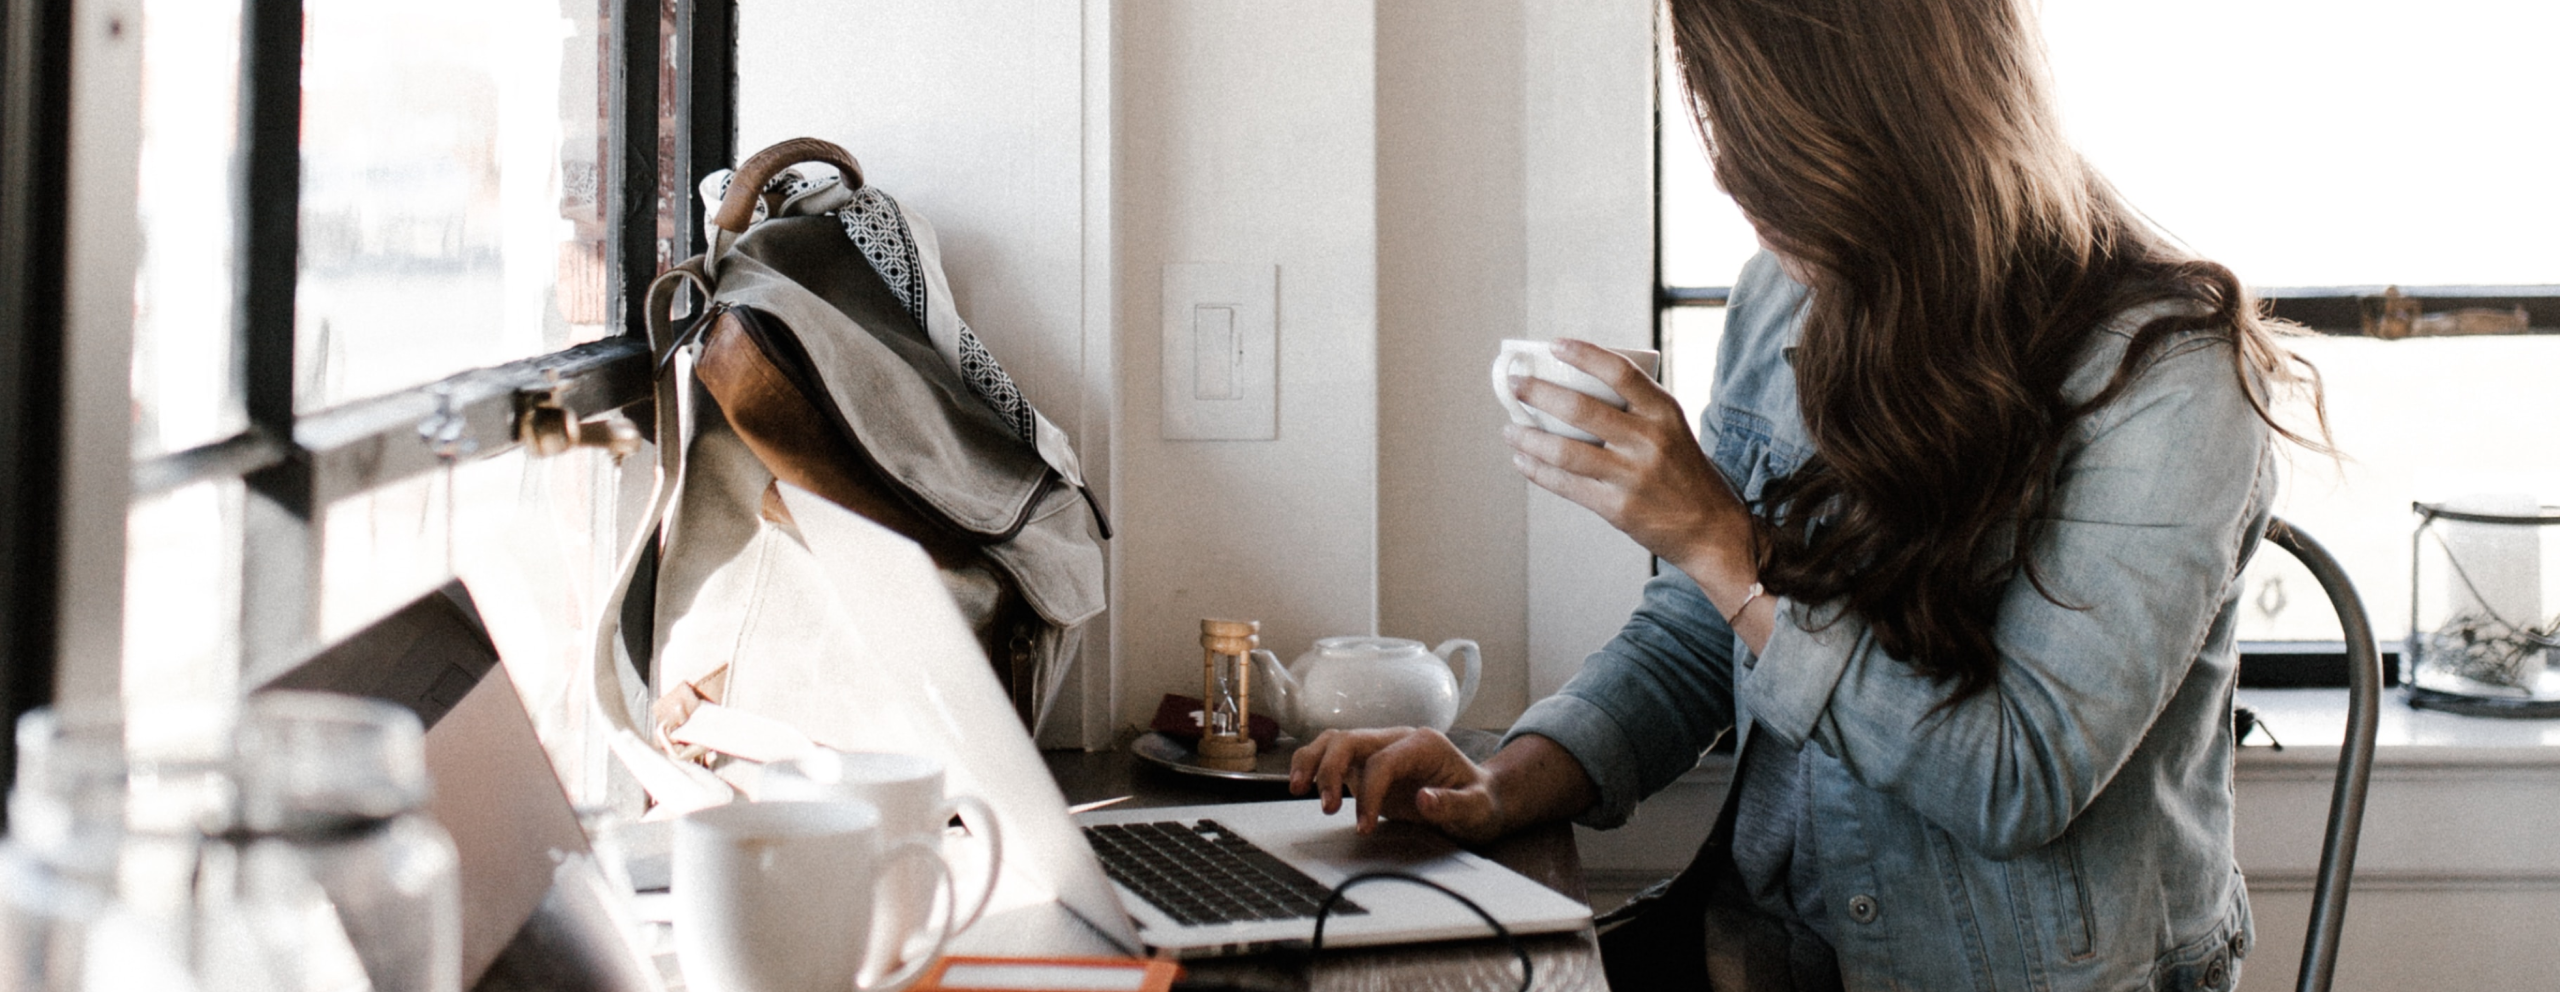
[(72, 916), (328, 844), (2484, 607)]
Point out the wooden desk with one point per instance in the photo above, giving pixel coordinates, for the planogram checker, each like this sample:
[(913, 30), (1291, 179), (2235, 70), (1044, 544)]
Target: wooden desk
[(1564, 961)]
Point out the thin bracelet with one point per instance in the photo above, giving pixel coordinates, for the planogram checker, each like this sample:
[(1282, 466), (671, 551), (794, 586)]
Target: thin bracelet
[(1747, 600)]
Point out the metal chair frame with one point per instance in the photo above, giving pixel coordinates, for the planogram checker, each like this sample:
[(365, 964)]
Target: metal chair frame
[(2355, 757)]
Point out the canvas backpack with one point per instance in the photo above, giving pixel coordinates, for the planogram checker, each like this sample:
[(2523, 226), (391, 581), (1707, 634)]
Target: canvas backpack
[(823, 350)]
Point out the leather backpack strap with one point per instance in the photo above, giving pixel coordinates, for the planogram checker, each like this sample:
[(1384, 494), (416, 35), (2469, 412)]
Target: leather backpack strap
[(737, 210), (621, 695)]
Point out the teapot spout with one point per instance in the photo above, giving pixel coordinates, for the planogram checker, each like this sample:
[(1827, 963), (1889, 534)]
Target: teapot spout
[(1278, 688)]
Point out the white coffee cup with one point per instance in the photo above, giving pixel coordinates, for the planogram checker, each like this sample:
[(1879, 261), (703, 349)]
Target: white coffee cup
[(908, 791), (1537, 360), (779, 897)]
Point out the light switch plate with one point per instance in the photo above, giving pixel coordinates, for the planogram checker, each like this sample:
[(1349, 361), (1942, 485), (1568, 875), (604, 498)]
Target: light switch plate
[(1221, 352)]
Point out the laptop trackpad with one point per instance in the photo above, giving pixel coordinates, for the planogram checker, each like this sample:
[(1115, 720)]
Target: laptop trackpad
[(1394, 847)]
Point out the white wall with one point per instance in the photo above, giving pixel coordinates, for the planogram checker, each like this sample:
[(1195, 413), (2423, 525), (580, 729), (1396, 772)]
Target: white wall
[(1588, 102), (98, 268), (1515, 200), (971, 114), (1246, 134), (1428, 176), (1453, 281)]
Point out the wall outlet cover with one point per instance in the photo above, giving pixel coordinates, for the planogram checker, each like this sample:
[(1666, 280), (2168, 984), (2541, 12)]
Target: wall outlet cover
[(1221, 378)]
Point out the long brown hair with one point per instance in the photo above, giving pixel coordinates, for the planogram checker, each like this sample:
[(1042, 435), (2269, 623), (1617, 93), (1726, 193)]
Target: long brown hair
[(1905, 155)]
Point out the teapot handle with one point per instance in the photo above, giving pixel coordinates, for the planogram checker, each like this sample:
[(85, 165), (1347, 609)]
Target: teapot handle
[(1468, 675), (1272, 682)]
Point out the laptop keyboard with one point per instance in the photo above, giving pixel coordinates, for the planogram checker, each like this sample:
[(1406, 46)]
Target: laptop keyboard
[(1203, 873)]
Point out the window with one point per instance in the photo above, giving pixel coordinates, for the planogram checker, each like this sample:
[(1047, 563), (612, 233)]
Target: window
[(371, 237), (2324, 152)]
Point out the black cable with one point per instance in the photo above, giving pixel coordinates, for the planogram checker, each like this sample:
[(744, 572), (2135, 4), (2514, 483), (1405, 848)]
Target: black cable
[(1325, 909)]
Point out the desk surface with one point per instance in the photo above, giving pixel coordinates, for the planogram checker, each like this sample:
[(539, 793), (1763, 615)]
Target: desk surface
[(1564, 961)]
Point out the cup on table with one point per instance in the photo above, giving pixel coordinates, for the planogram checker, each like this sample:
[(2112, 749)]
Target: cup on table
[(768, 893), (1537, 360), (908, 791)]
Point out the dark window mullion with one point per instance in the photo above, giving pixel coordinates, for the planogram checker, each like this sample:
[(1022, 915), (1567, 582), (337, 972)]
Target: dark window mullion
[(709, 86), (268, 188), (35, 111), (632, 247), (2343, 309), (2329, 309), (280, 561), (1693, 296)]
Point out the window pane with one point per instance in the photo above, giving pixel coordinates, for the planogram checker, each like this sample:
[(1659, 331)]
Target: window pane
[(186, 388), (1689, 339), (452, 201), (534, 539), (2418, 419), (1704, 238), (538, 554), (2302, 144), (182, 594), (2326, 143)]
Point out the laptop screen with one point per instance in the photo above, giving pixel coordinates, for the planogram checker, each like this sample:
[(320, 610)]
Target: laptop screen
[(928, 690), (495, 792)]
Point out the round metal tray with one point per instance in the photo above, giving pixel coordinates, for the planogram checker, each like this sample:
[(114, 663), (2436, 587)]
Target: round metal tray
[(1272, 765)]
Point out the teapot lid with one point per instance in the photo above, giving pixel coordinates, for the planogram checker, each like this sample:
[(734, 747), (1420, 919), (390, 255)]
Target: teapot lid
[(1367, 642)]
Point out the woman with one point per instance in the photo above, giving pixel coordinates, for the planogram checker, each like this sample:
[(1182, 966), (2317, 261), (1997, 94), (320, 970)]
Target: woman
[(1958, 562)]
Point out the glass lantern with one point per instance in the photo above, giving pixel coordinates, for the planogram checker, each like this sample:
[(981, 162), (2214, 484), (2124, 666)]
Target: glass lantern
[(2484, 608)]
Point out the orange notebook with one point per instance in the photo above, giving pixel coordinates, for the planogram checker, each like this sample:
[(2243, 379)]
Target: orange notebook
[(968, 974)]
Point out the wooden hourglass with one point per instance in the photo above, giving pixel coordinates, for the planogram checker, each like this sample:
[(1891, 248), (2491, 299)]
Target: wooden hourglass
[(1226, 693)]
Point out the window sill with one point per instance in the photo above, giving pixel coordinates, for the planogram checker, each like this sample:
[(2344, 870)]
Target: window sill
[(2312, 722)]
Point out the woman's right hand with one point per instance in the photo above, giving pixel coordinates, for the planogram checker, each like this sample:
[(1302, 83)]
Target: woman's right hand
[(1406, 773), (1402, 773)]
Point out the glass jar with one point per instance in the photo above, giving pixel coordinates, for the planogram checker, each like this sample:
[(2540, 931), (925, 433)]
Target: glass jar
[(72, 916), (328, 835), (2484, 608)]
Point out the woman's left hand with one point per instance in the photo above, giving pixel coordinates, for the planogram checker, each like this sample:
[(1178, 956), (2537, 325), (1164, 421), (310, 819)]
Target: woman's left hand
[(1647, 477)]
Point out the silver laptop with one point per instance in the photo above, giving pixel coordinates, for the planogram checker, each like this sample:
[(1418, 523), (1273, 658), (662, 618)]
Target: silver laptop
[(936, 694), (537, 911)]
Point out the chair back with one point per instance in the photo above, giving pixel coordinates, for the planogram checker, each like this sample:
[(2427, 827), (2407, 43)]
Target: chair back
[(2355, 757)]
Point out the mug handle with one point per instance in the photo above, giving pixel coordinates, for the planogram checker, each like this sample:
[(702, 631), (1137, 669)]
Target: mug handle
[(1506, 364), (907, 971), (981, 820)]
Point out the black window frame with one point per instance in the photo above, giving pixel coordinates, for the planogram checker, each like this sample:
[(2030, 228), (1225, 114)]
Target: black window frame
[(295, 466), (35, 115)]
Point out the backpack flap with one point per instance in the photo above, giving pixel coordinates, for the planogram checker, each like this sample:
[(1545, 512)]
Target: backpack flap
[(835, 331)]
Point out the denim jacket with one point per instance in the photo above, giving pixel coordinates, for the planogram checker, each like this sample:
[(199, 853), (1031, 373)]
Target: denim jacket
[(2068, 828)]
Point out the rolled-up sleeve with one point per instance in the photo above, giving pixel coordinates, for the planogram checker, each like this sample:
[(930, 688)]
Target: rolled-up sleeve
[(1648, 703), (2153, 514)]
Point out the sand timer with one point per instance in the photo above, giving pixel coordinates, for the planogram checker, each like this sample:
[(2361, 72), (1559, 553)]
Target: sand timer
[(1226, 693)]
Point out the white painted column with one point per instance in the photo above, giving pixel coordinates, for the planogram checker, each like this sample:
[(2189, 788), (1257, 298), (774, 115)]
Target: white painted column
[(1246, 134), (98, 270), (1589, 179)]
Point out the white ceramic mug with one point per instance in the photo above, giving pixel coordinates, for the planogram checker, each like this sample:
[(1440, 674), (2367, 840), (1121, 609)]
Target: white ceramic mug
[(767, 894), (908, 791), (1537, 360)]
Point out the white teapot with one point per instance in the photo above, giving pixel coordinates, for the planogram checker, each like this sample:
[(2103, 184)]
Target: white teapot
[(1347, 683)]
